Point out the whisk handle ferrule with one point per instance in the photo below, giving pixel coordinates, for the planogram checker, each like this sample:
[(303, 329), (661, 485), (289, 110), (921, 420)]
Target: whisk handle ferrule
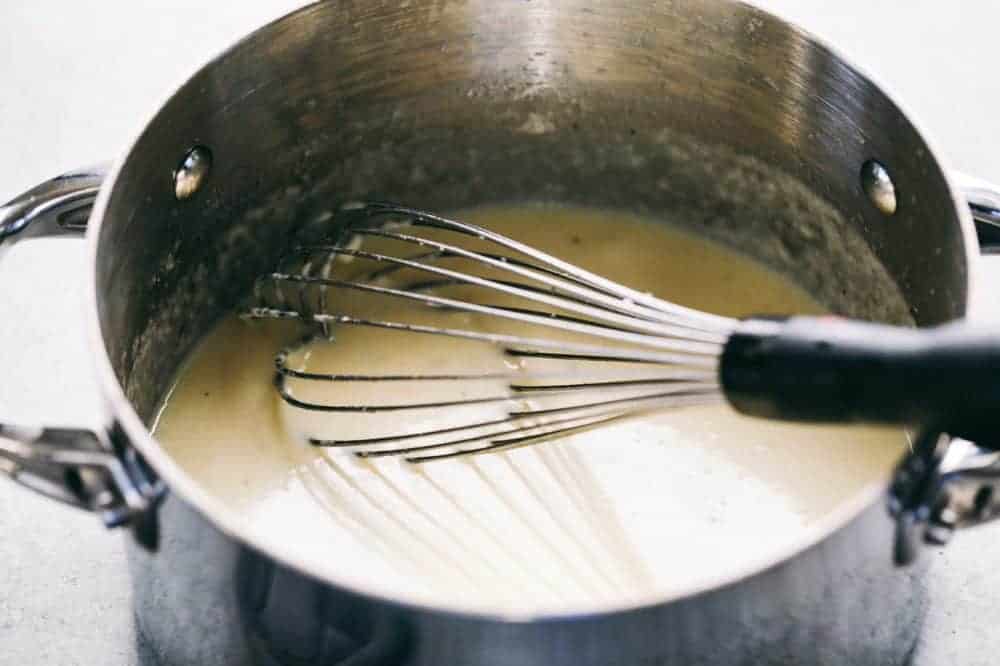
[(830, 370)]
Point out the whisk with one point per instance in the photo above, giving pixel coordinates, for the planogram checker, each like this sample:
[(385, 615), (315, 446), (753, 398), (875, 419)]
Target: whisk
[(584, 351)]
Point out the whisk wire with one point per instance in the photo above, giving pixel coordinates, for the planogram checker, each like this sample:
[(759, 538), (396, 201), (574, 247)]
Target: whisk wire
[(557, 281), (630, 330), (422, 218)]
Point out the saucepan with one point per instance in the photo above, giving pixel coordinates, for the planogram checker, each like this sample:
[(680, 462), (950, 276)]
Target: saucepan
[(710, 114)]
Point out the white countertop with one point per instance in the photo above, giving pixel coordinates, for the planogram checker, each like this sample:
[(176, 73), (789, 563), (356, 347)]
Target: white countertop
[(78, 81)]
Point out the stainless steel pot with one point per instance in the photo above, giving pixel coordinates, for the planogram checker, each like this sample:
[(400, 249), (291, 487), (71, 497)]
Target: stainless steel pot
[(710, 114)]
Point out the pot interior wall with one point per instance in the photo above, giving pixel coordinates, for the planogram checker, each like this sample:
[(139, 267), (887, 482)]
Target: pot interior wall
[(707, 115)]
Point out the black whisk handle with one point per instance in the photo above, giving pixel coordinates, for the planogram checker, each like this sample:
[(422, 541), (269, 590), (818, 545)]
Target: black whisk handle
[(831, 370)]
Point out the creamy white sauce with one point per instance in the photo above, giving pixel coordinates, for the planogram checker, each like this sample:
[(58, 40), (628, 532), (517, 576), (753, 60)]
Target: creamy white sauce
[(623, 514)]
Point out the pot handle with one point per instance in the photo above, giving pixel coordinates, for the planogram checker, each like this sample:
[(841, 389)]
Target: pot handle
[(79, 467), (945, 483), (57, 207), (984, 203)]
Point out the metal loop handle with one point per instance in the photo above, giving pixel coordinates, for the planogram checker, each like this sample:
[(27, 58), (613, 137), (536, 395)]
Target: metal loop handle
[(56, 207), (74, 466), (983, 199), (943, 485)]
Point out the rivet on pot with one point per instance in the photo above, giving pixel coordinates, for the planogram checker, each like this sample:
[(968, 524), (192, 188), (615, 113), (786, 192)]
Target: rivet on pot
[(190, 175), (877, 184)]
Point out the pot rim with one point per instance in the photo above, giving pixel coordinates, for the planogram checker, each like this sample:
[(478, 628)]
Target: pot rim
[(224, 518)]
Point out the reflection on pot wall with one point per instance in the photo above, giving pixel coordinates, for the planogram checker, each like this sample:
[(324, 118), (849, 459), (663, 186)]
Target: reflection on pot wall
[(289, 619), (206, 599)]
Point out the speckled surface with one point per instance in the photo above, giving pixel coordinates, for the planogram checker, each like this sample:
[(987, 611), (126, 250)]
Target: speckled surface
[(79, 79)]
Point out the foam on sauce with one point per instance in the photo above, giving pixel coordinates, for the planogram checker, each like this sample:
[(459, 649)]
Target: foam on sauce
[(623, 514)]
